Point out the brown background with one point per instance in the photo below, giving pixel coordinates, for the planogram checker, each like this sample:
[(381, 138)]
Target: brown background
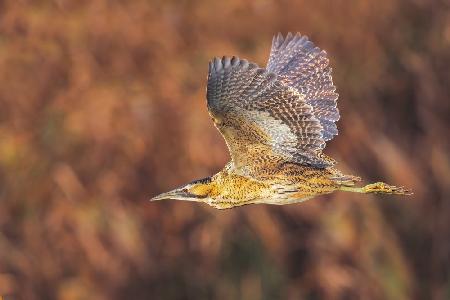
[(102, 105)]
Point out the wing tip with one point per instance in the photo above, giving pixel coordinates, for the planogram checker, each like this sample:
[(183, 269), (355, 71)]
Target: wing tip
[(279, 41), (291, 39), (218, 64)]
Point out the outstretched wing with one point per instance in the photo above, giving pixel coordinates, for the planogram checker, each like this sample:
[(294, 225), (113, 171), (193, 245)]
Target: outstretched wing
[(260, 117), (303, 66)]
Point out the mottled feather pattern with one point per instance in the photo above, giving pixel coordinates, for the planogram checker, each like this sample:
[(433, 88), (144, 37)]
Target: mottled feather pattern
[(250, 106), (302, 65)]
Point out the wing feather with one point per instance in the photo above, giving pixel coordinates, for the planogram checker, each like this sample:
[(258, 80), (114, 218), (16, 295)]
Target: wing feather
[(303, 66), (261, 117)]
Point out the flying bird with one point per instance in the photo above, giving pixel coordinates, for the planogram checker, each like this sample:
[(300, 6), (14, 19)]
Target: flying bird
[(276, 122)]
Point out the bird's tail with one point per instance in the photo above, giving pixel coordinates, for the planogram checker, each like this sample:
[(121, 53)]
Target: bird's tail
[(346, 180)]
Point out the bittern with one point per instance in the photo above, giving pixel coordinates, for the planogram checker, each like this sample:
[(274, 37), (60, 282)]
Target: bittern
[(275, 122)]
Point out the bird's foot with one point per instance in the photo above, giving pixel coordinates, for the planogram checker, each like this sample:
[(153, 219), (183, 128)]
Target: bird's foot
[(384, 188)]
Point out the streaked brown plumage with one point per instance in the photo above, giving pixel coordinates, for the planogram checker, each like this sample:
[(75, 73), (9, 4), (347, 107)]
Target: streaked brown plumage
[(275, 122)]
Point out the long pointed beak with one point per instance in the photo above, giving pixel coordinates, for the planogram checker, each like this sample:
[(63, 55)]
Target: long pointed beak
[(175, 195), (164, 196)]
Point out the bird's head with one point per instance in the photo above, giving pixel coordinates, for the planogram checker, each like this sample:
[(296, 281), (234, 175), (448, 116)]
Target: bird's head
[(198, 190)]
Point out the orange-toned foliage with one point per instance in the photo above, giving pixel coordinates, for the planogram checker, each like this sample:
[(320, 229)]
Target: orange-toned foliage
[(102, 105)]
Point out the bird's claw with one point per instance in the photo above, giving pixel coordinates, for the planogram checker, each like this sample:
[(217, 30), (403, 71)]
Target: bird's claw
[(383, 188)]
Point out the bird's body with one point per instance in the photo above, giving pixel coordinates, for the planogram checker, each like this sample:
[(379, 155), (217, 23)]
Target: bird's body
[(282, 184), (275, 122)]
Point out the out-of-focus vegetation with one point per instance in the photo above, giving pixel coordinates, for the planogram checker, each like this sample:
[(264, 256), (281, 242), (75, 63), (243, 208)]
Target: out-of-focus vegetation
[(102, 105)]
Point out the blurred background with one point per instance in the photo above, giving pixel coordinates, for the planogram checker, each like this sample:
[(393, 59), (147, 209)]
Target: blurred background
[(102, 106)]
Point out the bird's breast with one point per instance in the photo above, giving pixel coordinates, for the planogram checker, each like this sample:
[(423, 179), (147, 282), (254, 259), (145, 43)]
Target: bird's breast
[(234, 187)]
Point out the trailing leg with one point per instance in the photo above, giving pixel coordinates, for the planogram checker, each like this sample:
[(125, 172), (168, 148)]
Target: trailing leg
[(377, 188)]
